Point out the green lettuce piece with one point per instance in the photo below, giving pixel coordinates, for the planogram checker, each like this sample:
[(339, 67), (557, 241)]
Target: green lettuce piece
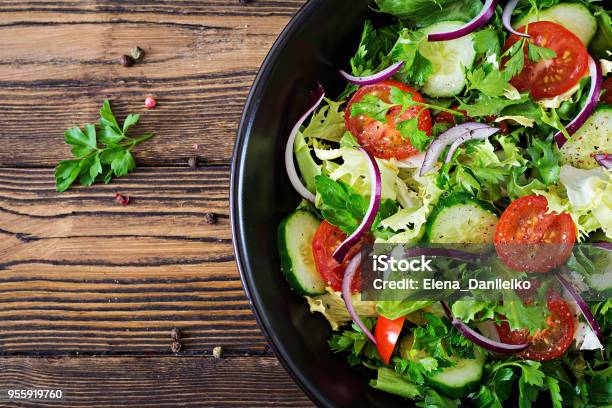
[(396, 309), (331, 305), (390, 381), (409, 222), (327, 123), (586, 195), (422, 13), (354, 171)]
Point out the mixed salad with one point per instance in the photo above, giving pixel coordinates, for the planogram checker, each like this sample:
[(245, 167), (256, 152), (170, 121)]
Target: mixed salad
[(465, 123)]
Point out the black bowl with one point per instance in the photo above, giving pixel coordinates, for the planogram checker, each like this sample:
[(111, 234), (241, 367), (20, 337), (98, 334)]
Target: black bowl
[(317, 41)]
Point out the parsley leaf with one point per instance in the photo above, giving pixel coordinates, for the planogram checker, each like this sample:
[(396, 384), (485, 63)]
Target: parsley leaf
[(488, 106), (100, 151), (409, 130), (492, 83), (545, 159), (536, 53), (416, 68), (486, 42), (515, 63), (371, 106), (354, 342)]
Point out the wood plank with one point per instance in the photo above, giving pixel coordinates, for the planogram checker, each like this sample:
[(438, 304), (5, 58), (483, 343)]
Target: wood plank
[(80, 273), (59, 61), (155, 382)]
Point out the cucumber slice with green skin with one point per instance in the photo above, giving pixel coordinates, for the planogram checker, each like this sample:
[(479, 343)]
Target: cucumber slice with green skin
[(576, 17), (461, 219), (295, 235), (449, 60), (595, 136), (455, 382), (461, 379)]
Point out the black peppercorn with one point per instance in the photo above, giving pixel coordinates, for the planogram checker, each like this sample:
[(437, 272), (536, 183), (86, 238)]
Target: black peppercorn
[(126, 61), (176, 347), (210, 218)]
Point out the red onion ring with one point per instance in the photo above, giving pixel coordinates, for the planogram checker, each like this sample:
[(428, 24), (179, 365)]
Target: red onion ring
[(477, 134), (589, 106), (604, 159), (481, 19), (507, 16), (480, 340), (374, 78), (316, 98), (446, 138), (370, 215), (347, 280), (603, 245), (582, 305)]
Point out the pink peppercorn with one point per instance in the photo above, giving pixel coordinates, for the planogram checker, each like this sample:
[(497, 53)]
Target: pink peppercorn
[(150, 102)]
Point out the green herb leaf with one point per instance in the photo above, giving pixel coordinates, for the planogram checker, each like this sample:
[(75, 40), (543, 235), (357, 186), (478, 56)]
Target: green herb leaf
[(487, 106), (92, 162), (130, 121), (123, 162), (492, 83), (409, 129), (486, 42), (372, 107), (545, 159), (536, 53), (514, 65)]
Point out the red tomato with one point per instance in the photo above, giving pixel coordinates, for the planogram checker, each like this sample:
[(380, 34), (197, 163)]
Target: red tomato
[(607, 96), (550, 77), (325, 241), (546, 344), (526, 222), (383, 140), (387, 333), (447, 117)]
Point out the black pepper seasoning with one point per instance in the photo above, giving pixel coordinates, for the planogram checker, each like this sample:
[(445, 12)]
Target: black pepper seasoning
[(210, 218), (176, 347)]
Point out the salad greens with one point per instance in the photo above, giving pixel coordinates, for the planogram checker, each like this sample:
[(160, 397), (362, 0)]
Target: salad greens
[(486, 78)]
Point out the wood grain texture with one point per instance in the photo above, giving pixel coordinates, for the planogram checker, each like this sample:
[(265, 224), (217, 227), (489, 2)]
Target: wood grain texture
[(81, 273), (155, 382), (59, 61), (89, 289)]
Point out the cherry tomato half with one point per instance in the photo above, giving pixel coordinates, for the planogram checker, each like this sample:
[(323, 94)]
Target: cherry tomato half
[(383, 140), (527, 238), (546, 344), (325, 241), (550, 77), (386, 334)]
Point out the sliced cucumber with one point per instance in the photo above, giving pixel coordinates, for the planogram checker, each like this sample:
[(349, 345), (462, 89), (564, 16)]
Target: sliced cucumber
[(455, 382), (461, 219), (449, 60), (461, 379), (576, 17), (295, 235), (595, 136)]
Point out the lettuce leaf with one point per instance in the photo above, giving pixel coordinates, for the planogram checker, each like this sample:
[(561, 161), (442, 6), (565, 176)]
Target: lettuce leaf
[(327, 123), (422, 13), (586, 195)]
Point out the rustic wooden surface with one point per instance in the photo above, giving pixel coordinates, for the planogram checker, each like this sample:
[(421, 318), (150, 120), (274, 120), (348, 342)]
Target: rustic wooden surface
[(90, 290)]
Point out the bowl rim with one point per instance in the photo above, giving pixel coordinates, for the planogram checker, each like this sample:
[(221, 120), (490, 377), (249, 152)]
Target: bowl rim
[(237, 165)]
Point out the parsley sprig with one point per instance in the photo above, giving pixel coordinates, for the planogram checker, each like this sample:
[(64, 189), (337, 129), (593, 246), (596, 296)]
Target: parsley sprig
[(376, 108), (100, 151), (516, 53)]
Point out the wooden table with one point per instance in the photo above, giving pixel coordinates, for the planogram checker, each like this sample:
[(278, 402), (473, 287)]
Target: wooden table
[(90, 290)]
